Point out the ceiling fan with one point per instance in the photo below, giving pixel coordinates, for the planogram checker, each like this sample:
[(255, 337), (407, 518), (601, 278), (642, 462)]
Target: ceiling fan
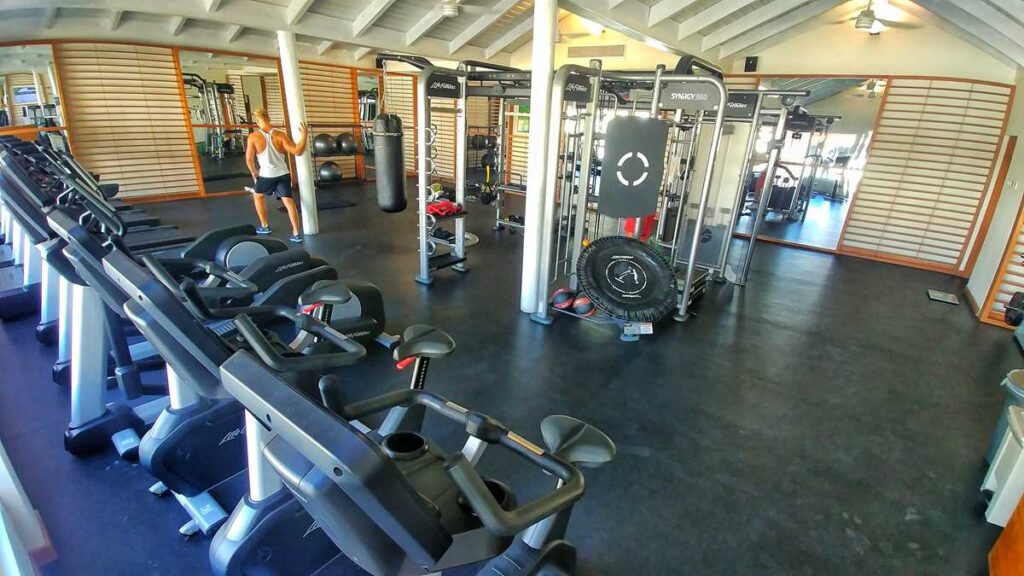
[(452, 8), (867, 20)]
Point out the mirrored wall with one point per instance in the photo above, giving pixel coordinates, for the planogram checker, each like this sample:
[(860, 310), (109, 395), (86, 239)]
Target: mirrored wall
[(821, 163), (29, 95), (223, 91)]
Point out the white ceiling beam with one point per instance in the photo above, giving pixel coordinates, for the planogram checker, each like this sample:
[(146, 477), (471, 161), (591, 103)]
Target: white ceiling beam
[(952, 28), (981, 31), (49, 17), (480, 24), (21, 19), (115, 19), (233, 32), (707, 17), (749, 22), (1014, 8), (778, 26), (358, 53), (296, 10), (426, 24), (212, 5), (666, 9), (522, 29), (630, 19), (177, 23), (995, 19), (613, 4), (323, 47), (369, 15)]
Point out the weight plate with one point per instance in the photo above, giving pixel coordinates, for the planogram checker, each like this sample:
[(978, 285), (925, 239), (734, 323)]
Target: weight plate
[(627, 279), (1014, 315)]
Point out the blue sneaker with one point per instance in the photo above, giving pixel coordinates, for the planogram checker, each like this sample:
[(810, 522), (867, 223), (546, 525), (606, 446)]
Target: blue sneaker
[(296, 238), (263, 230)]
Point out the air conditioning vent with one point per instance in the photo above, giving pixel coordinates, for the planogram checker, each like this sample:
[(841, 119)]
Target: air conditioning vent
[(610, 51)]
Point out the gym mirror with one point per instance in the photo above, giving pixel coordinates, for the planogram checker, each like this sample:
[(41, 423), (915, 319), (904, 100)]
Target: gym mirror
[(821, 162), (29, 95), (223, 90), (369, 88)]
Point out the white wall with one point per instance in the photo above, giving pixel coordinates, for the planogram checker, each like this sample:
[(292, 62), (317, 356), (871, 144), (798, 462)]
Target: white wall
[(637, 55), (1003, 220), (858, 113), (827, 48)]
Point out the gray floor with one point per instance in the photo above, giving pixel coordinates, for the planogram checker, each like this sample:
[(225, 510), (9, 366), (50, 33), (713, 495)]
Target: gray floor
[(821, 228), (826, 419)]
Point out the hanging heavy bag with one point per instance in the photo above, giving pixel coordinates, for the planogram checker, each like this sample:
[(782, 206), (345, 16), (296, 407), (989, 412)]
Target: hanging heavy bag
[(390, 163)]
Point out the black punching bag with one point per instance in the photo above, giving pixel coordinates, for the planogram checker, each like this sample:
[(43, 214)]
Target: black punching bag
[(389, 163)]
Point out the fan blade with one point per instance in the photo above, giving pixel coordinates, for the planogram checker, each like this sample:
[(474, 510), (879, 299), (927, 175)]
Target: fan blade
[(900, 25)]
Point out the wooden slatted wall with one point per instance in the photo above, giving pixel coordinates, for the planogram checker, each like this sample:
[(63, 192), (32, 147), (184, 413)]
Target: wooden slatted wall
[(929, 168), (399, 98), (239, 96), (272, 99), (331, 106), (442, 120), (126, 117), (518, 149)]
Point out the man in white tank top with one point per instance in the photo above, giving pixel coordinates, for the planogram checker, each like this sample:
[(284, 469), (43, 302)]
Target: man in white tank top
[(271, 146)]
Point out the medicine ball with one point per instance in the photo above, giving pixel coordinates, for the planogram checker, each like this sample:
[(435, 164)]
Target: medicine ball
[(488, 160), (491, 141), (583, 306), (328, 172), (477, 141), (563, 298), (347, 144), (324, 145)]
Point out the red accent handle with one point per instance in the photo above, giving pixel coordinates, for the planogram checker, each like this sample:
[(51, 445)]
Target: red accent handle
[(309, 309), (403, 364)]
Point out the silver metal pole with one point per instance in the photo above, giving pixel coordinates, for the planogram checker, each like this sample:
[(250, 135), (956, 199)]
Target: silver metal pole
[(422, 173), (778, 140), (737, 208), (683, 312), (684, 190), (460, 173), (554, 127), (586, 177)]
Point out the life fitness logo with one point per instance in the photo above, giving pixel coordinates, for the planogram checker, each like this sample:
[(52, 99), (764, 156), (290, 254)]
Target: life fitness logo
[(626, 276), (632, 158), (442, 85), (576, 88)]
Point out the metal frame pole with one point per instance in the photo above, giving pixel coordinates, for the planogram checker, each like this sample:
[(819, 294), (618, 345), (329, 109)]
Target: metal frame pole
[(460, 172), (586, 175), (755, 128), (682, 314), (778, 141), (422, 172)]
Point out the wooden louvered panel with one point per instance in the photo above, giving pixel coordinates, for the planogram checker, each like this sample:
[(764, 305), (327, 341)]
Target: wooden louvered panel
[(741, 82), (126, 117), (399, 98), (929, 168), (238, 102), (442, 121), (331, 106), (518, 146), (272, 99)]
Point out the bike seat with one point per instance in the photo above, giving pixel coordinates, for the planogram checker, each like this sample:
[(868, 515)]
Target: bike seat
[(576, 441), (424, 341), (331, 292)]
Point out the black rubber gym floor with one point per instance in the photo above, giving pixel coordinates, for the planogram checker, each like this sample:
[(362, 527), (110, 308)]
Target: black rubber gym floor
[(827, 419)]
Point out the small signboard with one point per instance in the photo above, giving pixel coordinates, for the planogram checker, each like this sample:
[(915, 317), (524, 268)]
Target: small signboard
[(741, 106), (443, 86), (633, 167), (24, 94), (577, 88), (689, 96)]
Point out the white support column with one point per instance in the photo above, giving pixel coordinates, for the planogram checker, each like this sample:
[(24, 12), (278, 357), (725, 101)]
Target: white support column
[(545, 18), (40, 95), (292, 80)]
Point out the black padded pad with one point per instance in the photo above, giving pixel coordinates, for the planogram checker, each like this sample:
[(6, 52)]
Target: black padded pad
[(425, 341), (330, 292), (576, 441)]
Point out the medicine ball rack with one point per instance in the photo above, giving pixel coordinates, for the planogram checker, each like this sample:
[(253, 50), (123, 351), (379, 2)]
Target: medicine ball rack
[(325, 158)]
